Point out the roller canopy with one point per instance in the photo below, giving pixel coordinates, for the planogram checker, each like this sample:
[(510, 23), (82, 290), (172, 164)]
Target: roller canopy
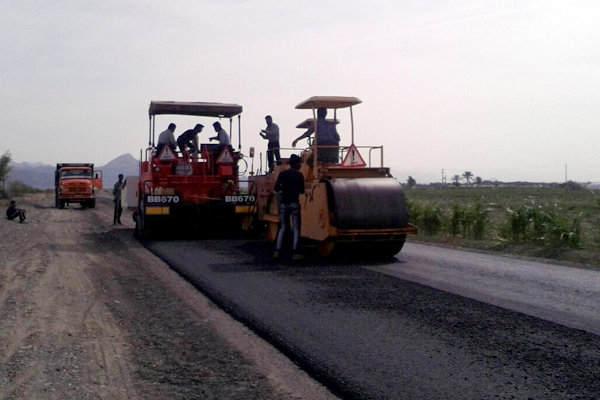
[(367, 203), (329, 102), (310, 122), (194, 108)]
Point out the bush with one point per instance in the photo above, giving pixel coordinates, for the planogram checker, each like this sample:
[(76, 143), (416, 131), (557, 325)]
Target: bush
[(432, 219), (479, 216), (16, 189), (468, 221), (456, 220), (545, 225)]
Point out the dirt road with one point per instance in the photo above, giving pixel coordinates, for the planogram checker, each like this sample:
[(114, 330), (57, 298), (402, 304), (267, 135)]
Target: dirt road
[(87, 313)]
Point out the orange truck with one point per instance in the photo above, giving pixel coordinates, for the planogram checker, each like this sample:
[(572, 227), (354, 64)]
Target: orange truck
[(76, 183)]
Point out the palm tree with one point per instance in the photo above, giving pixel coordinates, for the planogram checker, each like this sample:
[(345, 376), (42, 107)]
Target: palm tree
[(456, 180), (468, 175)]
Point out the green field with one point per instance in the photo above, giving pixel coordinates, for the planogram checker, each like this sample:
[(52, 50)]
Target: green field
[(559, 223)]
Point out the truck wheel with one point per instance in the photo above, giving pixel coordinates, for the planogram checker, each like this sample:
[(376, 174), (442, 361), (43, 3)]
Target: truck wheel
[(61, 204), (92, 203)]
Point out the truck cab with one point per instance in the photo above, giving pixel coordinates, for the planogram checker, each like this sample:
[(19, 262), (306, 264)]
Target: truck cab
[(76, 183)]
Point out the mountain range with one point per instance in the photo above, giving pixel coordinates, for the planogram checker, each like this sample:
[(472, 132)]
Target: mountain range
[(41, 176)]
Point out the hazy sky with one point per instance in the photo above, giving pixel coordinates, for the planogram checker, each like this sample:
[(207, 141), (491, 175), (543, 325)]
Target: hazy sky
[(508, 90)]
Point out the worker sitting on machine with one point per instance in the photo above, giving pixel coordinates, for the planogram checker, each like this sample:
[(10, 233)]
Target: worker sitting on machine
[(167, 138), (188, 142), (327, 135)]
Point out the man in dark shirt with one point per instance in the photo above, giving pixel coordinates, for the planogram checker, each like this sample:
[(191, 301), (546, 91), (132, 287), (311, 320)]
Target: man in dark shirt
[(117, 196), (291, 184), (188, 141), (13, 212)]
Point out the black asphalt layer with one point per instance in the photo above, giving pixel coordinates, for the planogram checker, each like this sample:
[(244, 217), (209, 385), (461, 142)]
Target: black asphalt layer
[(367, 335)]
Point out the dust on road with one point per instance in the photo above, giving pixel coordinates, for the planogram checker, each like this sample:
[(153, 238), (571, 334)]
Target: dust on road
[(87, 313)]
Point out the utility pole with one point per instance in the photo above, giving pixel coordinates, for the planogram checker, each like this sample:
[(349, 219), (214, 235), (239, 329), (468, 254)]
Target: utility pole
[(443, 177), (566, 180)]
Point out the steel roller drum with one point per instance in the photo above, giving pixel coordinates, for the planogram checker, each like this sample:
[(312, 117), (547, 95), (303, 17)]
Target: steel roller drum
[(367, 203)]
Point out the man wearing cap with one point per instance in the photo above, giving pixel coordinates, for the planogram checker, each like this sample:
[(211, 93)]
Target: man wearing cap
[(291, 184), (188, 141)]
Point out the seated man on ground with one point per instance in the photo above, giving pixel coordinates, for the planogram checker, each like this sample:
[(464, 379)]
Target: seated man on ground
[(13, 212)]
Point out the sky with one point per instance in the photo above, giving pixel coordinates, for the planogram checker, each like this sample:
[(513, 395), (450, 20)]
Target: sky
[(508, 90)]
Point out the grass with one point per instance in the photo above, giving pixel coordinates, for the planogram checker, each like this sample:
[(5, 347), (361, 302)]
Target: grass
[(561, 223)]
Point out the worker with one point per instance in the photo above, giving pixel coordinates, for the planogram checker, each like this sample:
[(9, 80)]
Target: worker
[(167, 137), (222, 137), (326, 136), (271, 133), (291, 184), (13, 212), (117, 192), (188, 141)]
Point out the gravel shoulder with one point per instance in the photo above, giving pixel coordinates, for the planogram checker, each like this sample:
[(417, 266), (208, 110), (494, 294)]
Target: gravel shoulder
[(86, 312)]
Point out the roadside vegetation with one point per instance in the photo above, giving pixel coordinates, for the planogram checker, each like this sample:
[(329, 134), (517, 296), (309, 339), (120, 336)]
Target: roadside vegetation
[(560, 223), (12, 189)]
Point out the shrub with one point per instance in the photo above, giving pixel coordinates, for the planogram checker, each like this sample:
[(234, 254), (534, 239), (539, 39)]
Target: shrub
[(16, 189), (432, 218), (456, 220), (479, 219), (545, 225), (414, 212)]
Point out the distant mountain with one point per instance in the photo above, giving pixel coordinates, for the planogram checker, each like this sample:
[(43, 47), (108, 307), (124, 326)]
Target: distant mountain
[(36, 175), (41, 176), (124, 164)]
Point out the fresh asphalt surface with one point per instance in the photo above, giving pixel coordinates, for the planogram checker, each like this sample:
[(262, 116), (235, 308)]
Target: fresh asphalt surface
[(369, 335)]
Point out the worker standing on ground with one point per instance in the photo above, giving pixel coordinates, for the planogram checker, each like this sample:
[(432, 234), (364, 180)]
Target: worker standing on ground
[(167, 137), (291, 184), (117, 191), (271, 133), (13, 212), (327, 135)]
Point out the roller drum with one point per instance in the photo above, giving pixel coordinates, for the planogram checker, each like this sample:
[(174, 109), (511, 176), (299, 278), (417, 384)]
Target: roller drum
[(367, 203)]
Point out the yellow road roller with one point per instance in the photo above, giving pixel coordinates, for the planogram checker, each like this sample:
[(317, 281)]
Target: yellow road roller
[(349, 204)]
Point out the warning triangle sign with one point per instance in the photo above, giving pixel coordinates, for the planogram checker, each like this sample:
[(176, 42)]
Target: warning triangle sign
[(225, 157), (167, 154), (353, 158)]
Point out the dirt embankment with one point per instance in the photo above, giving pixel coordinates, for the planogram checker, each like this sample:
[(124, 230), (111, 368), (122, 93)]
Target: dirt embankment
[(87, 313)]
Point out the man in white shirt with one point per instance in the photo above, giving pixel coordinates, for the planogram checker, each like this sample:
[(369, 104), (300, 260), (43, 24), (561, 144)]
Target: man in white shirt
[(167, 138), (222, 135), (271, 133)]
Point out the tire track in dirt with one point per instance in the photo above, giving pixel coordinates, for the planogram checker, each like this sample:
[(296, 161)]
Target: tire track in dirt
[(87, 313), (72, 328)]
